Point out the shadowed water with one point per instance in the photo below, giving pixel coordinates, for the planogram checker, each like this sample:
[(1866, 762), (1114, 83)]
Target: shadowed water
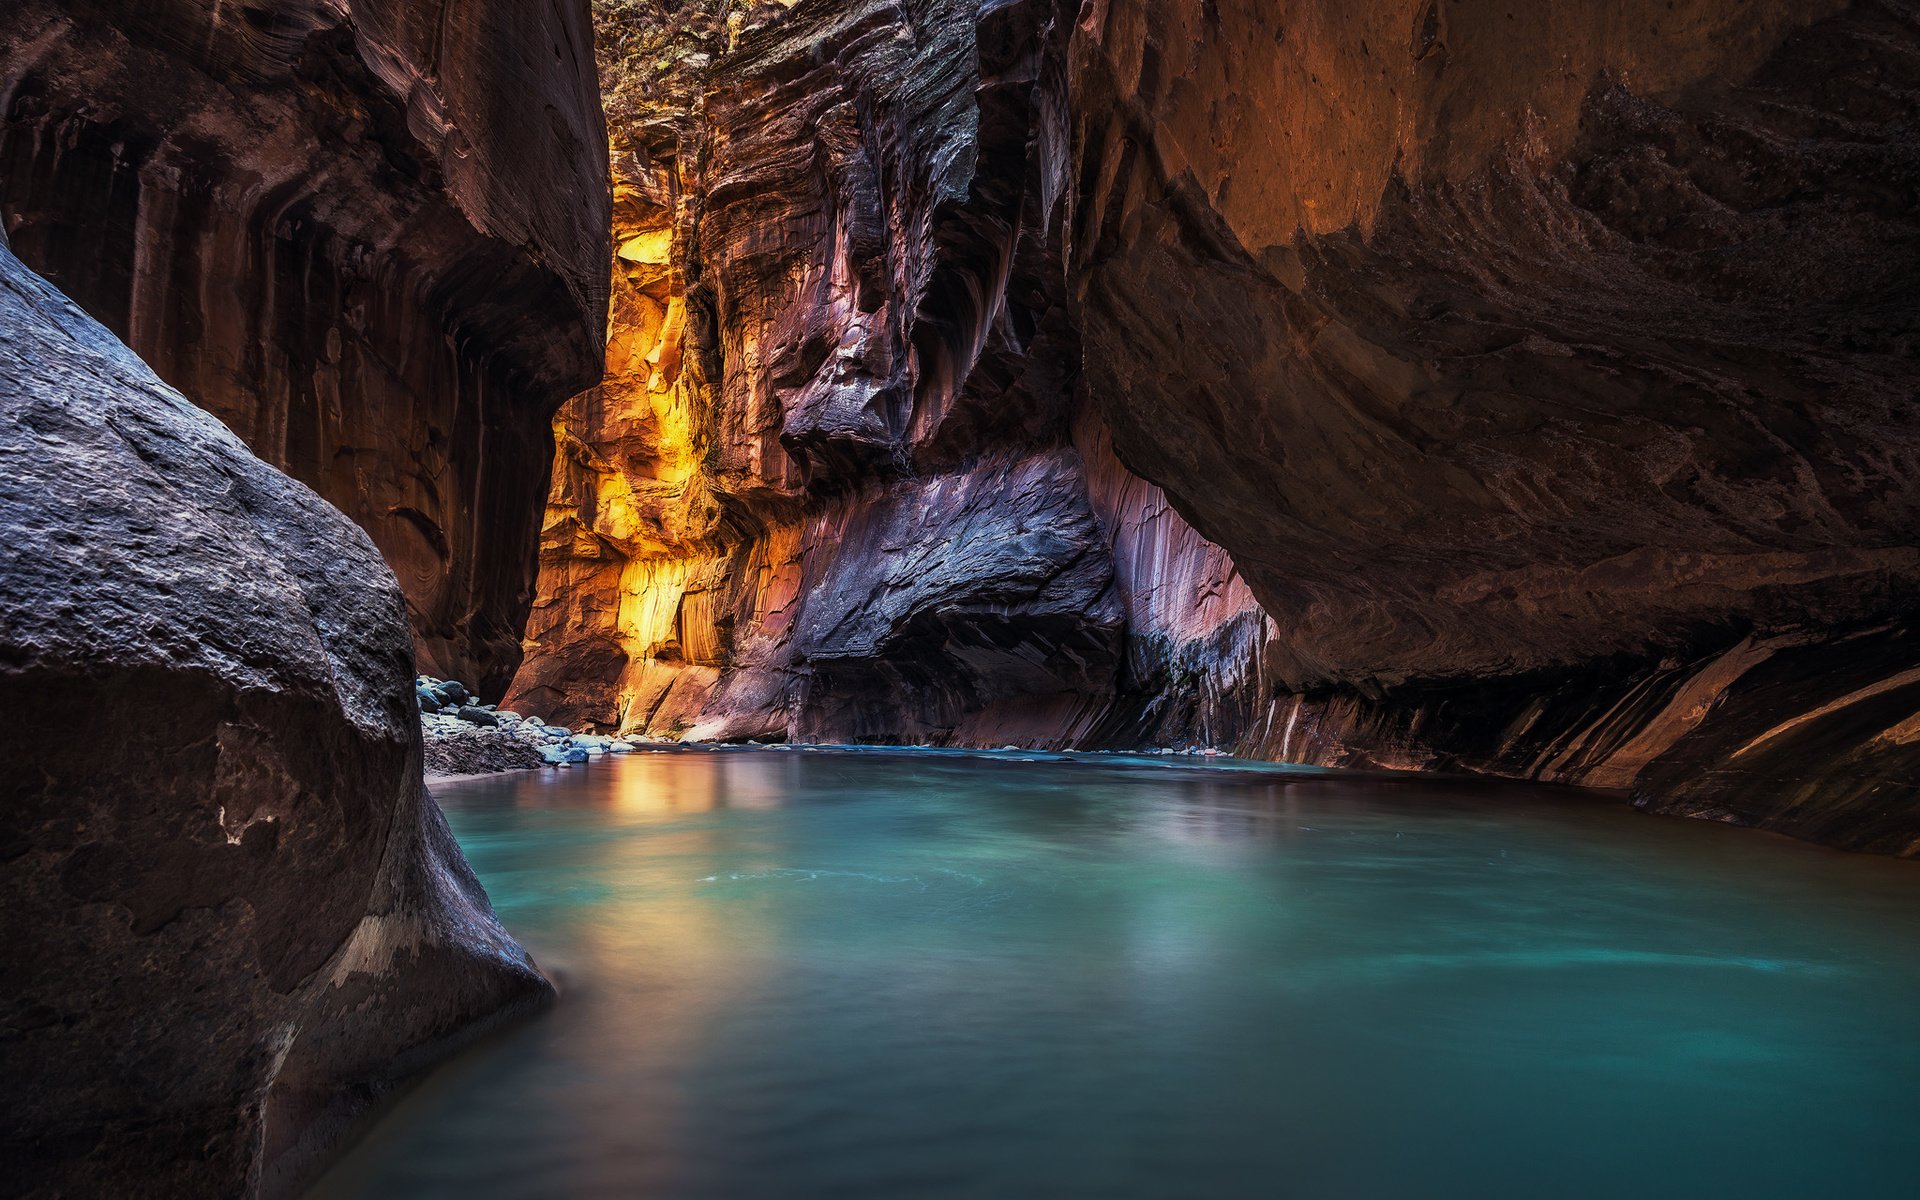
[(792, 973)]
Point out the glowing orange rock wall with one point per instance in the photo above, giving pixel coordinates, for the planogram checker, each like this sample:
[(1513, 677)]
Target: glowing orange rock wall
[(833, 487)]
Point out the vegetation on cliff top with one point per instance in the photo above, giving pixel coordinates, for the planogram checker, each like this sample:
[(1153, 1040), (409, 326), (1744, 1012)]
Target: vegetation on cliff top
[(654, 51)]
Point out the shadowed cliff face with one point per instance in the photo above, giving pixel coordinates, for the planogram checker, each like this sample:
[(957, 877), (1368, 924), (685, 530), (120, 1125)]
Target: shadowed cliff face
[(832, 488), (1548, 373), (234, 918), (370, 237)]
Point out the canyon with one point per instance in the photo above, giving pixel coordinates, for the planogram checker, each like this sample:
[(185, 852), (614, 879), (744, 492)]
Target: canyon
[(1555, 390), (1458, 390), (842, 481), (1430, 385)]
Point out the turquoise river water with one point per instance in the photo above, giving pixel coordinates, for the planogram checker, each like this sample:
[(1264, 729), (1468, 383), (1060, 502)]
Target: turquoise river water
[(800, 973)]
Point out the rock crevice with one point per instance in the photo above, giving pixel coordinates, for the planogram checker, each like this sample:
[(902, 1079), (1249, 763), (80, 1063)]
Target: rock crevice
[(835, 485)]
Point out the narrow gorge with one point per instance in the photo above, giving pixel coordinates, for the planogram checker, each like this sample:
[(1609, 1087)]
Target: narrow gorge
[(1548, 423), (1216, 398), (843, 482)]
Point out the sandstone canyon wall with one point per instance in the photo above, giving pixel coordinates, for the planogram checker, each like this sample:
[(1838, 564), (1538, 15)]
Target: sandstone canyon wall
[(370, 236), (1548, 371), (233, 917), (834, 486)]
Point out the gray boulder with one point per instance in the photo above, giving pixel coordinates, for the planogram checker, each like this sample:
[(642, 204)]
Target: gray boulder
[(237, 920)]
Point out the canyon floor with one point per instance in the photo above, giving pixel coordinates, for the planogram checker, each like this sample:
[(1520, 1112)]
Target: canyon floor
[(625, 418)]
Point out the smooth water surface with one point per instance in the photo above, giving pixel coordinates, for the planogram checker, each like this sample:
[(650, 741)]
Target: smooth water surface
[(794, 973)]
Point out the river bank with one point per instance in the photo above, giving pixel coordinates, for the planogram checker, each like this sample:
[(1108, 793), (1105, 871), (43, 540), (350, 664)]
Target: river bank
[(464, 737)]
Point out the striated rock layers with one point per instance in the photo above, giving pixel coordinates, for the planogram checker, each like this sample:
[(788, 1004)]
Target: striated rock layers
[(833, 487), (1548, 370), (234, 918), (370, 236)]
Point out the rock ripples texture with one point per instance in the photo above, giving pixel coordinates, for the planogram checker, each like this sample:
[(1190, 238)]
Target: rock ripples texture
[(833, 488), (234, 917)]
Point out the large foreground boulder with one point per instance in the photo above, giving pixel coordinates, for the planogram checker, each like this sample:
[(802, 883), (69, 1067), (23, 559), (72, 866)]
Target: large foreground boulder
[(233, 916)]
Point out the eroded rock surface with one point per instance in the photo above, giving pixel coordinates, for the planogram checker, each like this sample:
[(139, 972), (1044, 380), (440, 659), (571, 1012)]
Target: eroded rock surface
[(1548, 371), (828, 489), (234, 918), (370, 236), (838, 484)]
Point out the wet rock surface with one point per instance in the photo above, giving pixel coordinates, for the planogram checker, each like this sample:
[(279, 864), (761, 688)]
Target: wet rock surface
[(236, 920), (370, 237)]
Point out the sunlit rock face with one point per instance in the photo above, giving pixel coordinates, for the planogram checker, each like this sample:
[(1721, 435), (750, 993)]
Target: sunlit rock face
[(370, 236), (1546, 369), (833, 487), (234, 918)]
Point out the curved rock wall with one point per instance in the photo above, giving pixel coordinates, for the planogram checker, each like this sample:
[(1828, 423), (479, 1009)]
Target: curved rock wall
[(1547, 372), (833, 487), (234, 918), (369, 236)]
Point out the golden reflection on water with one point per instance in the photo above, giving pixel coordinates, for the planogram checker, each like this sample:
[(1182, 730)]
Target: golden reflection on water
[(657, 954), (794, 973)]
